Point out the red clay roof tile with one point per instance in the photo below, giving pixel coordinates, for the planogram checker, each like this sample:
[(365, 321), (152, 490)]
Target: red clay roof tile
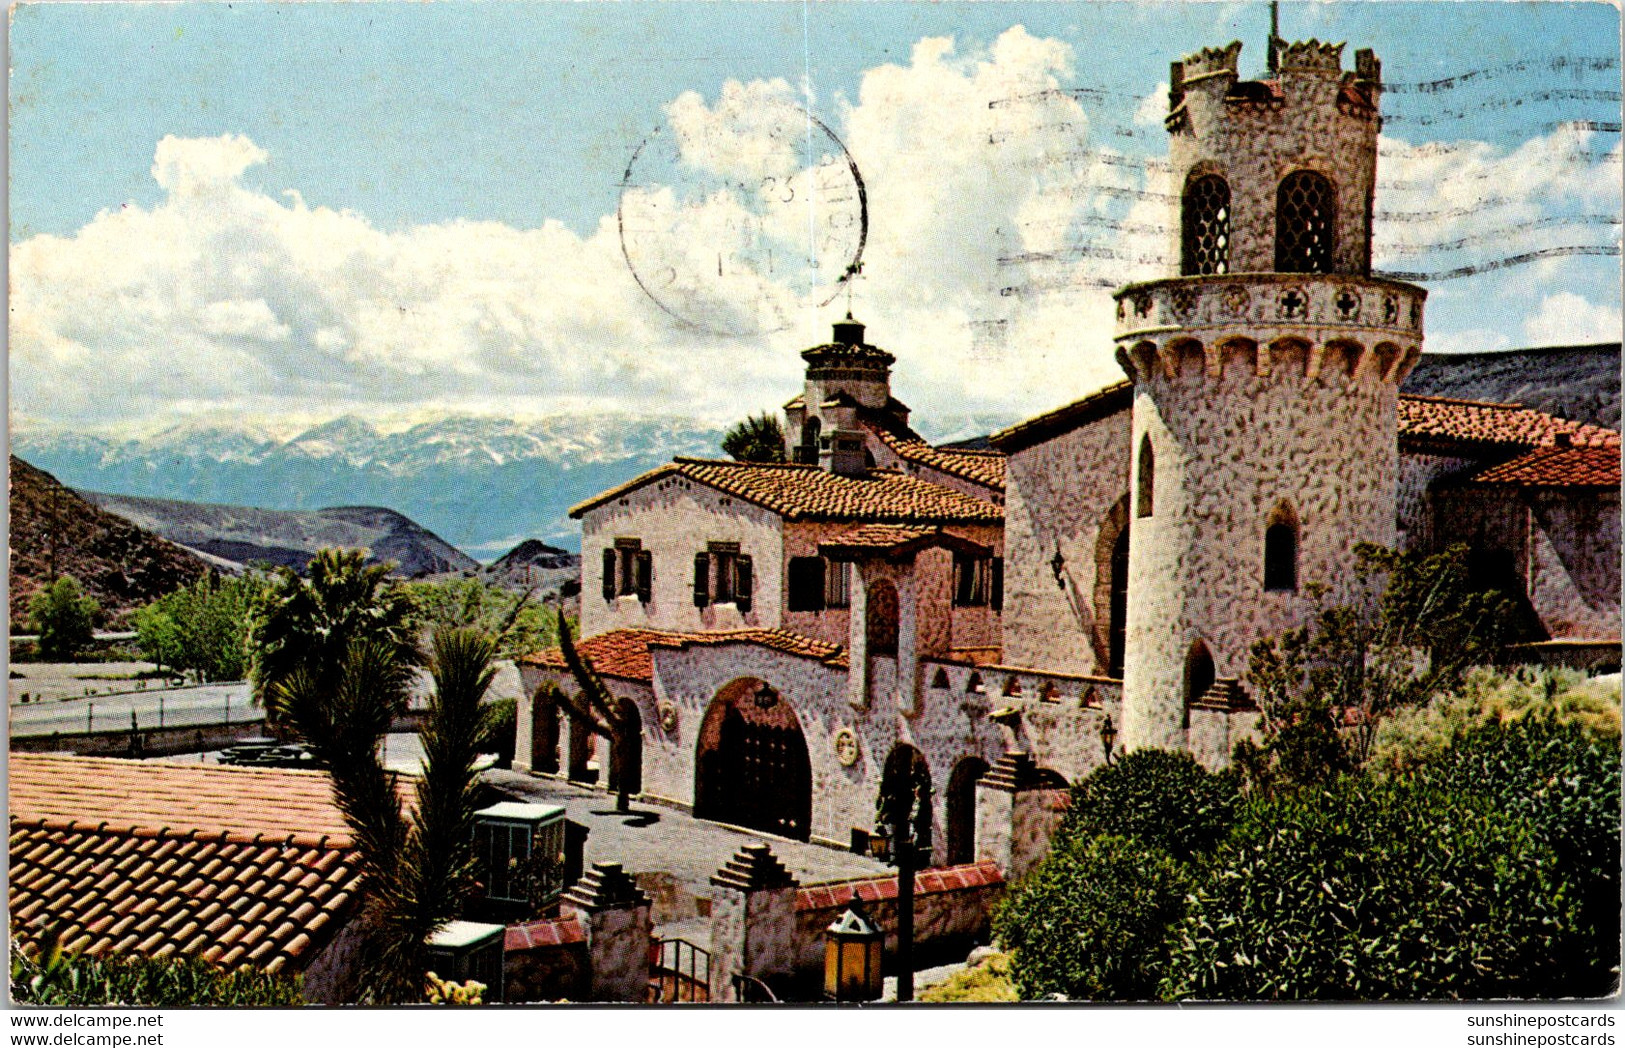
[(98, 844), (984, 468), (1553, 467), (804, 492), (1428, 423), (624, 653)]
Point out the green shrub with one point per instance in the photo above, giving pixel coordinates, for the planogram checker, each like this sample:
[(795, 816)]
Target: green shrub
[(79, 982), (502, 723), (1165, 799), (1092, 920), (65, 618), (1413, 737), (1379, 891), (1565, 782), (986, 983)]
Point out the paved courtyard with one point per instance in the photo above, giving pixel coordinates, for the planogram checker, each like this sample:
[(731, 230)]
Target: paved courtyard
[(673, 854)]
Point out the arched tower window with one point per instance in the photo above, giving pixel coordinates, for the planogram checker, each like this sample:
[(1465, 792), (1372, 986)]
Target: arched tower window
[(1198, 677), (807, 452), (1281, 550), (1148, 478), (1205, 227), (1305, 221)]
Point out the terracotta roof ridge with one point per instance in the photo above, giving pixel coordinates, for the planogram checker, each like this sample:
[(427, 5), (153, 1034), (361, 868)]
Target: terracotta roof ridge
[(695, 460), (143, 831), (1502, 404)]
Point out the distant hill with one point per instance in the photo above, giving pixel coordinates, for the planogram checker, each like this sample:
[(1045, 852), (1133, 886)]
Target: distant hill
[(120, 564), (535, 564), (289, 538), (1575, 382)]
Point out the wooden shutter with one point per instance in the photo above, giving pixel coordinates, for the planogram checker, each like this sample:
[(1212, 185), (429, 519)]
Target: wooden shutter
[(742, 583), (702, 580), (645, 565), (609, 574)]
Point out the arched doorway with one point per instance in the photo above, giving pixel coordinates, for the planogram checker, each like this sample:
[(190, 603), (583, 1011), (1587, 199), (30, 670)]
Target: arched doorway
[(751, 768), (626, 756), (544, 730), (961, 814)]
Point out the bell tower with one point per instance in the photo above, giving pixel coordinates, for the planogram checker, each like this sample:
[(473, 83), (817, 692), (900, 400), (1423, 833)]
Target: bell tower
[(1266, 374)]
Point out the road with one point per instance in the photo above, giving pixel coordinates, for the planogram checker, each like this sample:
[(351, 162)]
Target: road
[(152, 708)]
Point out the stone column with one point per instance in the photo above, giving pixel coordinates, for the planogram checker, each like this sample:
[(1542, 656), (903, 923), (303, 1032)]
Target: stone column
[(614, 914), (753, 920), (1015, 816)]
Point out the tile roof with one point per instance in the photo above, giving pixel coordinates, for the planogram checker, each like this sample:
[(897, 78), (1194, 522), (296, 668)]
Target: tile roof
[(168, 871), (979, 467), (804, 492), (1587, 467), (624, 653), (872, 889), (1440, 422), (894, 540), (1119, 396), (153, 795)]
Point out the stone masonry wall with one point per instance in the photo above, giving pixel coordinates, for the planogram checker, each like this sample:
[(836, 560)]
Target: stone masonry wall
[(1228, 450), (1574, 565), (675, 518), (1059, 495)]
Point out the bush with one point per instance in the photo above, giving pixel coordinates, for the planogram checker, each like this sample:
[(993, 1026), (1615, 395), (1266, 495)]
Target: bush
[(1379, 891), (987, 983), (1091, 923), (1165, 799), (65, 619), (1414, 737), (502, 724), (59, 981)]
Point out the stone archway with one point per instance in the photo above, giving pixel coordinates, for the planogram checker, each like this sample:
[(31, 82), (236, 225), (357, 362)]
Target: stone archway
[(960, 816), (751, 765), (626, 753)]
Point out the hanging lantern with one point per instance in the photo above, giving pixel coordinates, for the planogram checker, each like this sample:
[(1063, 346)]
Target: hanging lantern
[(852, 953), (766, 698), (1108, 738)]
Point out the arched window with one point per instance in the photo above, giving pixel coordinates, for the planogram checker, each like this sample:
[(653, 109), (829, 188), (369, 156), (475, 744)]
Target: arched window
[(1198, 677), (1205, 227), (1148, 478), (807, 452), (1281, 550), (1305, 221)]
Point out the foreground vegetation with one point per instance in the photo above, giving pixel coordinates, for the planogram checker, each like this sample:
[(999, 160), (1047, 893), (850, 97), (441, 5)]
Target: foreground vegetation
[(62, 981)]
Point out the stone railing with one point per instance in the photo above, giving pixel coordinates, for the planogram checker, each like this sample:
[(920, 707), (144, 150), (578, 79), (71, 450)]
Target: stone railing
[(996, 686), (1365, 308)]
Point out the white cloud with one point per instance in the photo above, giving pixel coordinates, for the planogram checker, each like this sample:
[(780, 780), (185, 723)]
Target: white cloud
[(1565, 318)]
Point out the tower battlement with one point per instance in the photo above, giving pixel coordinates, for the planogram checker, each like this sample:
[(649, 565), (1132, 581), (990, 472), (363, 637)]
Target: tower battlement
[(1311, 56)]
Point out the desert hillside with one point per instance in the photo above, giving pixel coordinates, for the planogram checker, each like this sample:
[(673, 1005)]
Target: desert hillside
[(55, 531)]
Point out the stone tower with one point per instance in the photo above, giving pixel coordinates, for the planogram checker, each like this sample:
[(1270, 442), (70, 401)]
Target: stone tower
[(1265, 378), (848, 380)]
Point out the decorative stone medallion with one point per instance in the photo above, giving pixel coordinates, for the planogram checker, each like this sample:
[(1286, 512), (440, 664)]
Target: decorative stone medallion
[(1183, 301), (1292, 304), (1235, 302), (669, 718), (1347, 301), (1142, 305), (846, 747), (1390, 309), (1416, 314)]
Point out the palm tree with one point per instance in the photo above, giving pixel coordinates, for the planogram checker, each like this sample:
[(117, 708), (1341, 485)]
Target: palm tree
[(417, 867), (311, 623), (759, 438), (598, 708)]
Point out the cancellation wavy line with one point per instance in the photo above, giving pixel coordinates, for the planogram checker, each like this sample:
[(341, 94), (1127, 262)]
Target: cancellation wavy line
[(1577, 250), (1551, 63)]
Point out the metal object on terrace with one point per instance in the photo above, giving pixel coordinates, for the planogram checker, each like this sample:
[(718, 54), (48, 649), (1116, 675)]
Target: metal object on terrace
[(520, 851), (465, 950), (852, 954), (679, 972)]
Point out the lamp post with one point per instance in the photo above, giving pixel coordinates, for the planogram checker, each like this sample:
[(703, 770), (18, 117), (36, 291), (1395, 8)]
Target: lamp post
[(904, 822)]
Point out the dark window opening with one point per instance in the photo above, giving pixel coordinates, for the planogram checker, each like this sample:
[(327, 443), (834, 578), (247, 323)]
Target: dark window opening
[(723, 575), (978, 581), (807, 450), (1147, 478), (1199, 676), (1305, 224), (1205, 227), (628, 569), (1117, 629), (806, 584), (1281, 557)]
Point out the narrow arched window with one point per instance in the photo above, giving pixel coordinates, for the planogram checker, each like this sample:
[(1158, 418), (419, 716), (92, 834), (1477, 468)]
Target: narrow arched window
[(1305, 223), (1198, 677), (1148, 478), (1281, 557), (807, 451), (1205, 226)]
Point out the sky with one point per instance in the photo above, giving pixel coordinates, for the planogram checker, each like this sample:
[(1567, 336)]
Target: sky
[(285, 211)]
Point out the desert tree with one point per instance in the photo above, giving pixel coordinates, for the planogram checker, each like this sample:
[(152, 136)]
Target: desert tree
[(597, 707), (64, 616)]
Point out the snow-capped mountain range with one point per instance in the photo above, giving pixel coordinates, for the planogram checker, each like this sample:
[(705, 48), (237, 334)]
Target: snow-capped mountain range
[(483, 484)]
